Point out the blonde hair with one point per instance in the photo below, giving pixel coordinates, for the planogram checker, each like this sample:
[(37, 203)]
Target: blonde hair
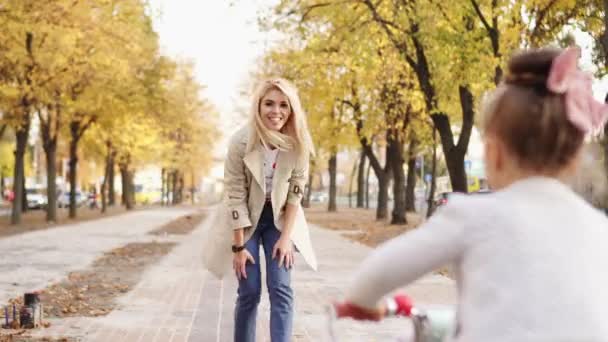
[(294, 135)]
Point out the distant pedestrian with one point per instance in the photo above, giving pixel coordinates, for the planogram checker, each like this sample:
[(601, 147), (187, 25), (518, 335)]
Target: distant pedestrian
[(530, 259), (265, 175)]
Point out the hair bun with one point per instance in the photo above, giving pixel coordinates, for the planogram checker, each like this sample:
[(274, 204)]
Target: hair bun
[(531, 69), (527, 79)]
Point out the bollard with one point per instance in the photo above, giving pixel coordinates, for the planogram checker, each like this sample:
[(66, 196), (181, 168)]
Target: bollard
[(26, 316), (31, 313)]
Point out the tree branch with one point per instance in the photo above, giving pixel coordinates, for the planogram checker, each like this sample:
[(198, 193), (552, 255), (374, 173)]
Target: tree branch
[(367, 148), (2, 130), (539, 19), (467, 103), (84, 127), (481, 16), (444, 14), (309, 9), (385, 25)]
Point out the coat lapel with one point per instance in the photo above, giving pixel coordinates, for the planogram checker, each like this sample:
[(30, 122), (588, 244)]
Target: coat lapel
[(284, 165), (254, 160)]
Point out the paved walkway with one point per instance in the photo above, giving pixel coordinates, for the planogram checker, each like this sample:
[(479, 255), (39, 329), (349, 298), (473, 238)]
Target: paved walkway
[(178, 301)]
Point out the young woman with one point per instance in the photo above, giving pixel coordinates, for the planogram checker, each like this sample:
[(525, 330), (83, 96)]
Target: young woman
[(265, 175)]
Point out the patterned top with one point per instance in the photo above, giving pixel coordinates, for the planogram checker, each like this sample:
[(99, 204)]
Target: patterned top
[(270, 164)]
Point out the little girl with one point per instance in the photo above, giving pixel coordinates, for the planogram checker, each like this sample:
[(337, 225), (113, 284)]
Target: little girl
[(531, 259)]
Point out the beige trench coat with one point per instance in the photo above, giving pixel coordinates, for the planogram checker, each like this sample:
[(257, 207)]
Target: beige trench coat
[(245, 193)]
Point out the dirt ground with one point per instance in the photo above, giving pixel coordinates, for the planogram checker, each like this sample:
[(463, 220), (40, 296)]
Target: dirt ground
[(182, 226), (92, 292), (360, 224)]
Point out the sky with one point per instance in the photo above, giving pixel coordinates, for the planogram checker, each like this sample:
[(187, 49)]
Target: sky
[(222, 38)]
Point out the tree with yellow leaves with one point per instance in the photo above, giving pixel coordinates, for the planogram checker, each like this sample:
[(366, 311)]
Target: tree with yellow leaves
[(455, 49)]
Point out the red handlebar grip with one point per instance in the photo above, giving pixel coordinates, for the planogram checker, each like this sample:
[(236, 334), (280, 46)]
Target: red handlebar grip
[(404, 305)]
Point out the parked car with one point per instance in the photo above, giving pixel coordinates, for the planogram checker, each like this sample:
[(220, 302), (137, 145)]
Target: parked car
[(36, 198), (63, 200)]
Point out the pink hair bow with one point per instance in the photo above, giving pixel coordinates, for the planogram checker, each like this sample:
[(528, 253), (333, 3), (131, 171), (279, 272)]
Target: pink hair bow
[(584, 111)]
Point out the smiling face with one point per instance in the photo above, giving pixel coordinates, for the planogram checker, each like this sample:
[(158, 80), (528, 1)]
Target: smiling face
[(274, 109)]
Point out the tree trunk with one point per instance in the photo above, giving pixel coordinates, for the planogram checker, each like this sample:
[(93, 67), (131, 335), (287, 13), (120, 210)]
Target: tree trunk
[(162, 186), (124, 182), (382, 207), (106, 178), (127, 187), (24, 206), (369, 167), (454, 154), (21, 136), (458, 175), (168, 192), (49, 143), (177, 199), (2, 184), (431, 199), (410, 195), (181, 188), (131, 174), (383, 175), (104, 187), (333, 169), (168, 187), (395, 156), (19, 175), (123, 186), (192, 190), (350, 184), (361, 181), (50, 149), (174, 187), (111, 177), (73, 163)]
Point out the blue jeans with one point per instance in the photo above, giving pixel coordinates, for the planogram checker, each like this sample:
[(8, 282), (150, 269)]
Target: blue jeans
[(278, 281)]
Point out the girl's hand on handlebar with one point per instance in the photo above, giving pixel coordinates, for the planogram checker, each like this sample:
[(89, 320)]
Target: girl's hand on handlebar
[(348, 309), (397, 305)]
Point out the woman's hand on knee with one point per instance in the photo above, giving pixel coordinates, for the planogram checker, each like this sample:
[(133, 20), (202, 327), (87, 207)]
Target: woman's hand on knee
[(283, 250), (239, 263)]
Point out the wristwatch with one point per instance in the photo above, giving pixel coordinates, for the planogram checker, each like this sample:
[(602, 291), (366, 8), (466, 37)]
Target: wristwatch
[(236, 249)]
